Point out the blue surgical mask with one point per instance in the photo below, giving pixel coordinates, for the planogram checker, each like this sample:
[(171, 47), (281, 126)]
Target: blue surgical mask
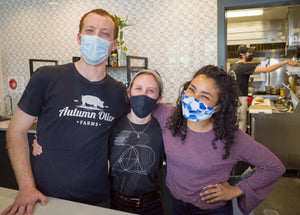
[(195, 110), (94, 49)]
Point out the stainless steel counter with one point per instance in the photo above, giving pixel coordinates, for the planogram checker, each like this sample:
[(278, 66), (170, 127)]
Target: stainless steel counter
[(280, 132)]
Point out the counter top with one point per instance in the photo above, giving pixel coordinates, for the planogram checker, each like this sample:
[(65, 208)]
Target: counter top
[(4, 126), (56, 206), (263, 106)]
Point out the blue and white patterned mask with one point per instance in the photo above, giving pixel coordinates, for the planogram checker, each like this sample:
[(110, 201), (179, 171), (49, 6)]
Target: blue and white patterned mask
[(94, 49), (195, 110)]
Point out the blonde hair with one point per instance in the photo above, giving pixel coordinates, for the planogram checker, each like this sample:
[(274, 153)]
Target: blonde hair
[(156, 76)]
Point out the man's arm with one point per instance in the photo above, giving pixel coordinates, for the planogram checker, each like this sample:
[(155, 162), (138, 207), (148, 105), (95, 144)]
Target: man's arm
[(272, 68), (18, 150)]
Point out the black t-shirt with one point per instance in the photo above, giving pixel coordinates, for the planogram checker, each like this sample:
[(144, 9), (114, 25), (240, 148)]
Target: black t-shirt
[(74, 121), (135, 162), (242, 72)]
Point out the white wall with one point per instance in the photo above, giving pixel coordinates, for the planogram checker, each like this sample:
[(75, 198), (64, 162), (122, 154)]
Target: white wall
[(178, 36)]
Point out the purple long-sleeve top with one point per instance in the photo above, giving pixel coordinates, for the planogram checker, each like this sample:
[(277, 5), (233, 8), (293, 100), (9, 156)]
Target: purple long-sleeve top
[(194, 164)]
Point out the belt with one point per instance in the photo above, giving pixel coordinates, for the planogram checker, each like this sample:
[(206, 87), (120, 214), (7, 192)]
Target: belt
[(135, 202)]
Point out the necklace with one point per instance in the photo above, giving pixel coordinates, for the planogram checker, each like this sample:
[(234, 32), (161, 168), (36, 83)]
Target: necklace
[(139, 132)]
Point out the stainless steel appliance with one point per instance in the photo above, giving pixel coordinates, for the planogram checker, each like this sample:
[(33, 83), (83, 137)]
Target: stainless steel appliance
[(279, 132)]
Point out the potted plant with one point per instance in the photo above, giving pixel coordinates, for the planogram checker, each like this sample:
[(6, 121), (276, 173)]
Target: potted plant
[(121, 47)]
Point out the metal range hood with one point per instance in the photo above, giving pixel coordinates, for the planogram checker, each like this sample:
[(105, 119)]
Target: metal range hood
[(293, 27), (275, 38)]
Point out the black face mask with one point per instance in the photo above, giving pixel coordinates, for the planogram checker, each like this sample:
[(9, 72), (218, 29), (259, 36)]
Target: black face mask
[(249, 58), (142, 105)]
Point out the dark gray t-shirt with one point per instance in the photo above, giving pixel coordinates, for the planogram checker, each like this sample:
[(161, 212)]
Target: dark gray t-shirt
[(242, 72), (74, 121), (134, 161)]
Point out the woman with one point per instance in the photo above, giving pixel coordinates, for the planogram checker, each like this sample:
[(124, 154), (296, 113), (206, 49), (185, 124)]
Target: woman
[(202, 143), (136, 150)]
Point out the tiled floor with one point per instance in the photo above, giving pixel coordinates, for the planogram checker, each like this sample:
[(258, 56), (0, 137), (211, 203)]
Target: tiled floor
[(284, 199)]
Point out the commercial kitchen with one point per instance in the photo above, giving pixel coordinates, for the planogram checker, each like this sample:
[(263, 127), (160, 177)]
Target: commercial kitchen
[(176, 38)]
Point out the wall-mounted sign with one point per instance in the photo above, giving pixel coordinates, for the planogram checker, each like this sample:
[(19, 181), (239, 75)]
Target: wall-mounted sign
[(13, 84)]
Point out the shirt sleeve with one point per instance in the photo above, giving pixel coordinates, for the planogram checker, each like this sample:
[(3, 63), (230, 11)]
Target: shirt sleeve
[(162, 112), (269, 169), (33, 96), (249, 69)]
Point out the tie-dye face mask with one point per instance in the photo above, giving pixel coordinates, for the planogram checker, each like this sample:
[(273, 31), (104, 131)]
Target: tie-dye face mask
[(195, 110)]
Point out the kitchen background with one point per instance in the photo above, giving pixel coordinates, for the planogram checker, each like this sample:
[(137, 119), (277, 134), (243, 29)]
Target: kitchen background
[(178, 37)]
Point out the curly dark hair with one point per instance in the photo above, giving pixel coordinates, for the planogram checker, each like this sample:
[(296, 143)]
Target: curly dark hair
[(225, 121)]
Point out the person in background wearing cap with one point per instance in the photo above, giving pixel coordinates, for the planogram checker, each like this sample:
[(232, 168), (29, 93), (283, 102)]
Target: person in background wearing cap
[(136, 149), (241, 71)]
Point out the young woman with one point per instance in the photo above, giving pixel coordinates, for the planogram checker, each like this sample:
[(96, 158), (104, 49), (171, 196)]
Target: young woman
[(202, 143), (136, 150)]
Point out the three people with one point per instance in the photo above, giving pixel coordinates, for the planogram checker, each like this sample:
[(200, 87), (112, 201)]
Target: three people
[(77, 104), (202, 143)]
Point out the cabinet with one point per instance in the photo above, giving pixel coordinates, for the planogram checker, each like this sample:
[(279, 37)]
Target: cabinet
[(8, 178)]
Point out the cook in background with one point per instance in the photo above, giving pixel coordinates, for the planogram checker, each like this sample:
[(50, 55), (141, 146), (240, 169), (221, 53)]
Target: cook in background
[(242, 70)]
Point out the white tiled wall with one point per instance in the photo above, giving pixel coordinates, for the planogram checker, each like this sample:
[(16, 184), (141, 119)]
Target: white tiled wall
[(178, 36)]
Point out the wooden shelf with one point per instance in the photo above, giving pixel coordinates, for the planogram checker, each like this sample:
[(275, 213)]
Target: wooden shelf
[(124, 67)]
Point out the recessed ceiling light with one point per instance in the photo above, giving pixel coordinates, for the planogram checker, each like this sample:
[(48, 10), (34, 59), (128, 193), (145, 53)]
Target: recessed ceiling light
[(242, 13)]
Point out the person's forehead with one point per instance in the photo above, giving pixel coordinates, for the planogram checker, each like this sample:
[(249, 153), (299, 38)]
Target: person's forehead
[(145, 79), (98, 20)]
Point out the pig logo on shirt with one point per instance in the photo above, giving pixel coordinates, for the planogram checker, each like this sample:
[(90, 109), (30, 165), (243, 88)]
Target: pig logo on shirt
[(90, 102)]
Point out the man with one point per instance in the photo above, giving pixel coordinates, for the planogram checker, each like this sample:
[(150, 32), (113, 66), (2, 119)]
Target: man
[(242, 71), (76, 104)]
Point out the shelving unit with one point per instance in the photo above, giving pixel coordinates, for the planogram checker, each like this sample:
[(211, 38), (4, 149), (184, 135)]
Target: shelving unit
[(131, 68)]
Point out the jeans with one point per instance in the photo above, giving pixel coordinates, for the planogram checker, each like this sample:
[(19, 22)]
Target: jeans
[(182, 208)]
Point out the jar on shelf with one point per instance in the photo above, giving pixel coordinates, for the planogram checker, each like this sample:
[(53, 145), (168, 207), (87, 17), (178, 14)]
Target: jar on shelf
[(113, 60)]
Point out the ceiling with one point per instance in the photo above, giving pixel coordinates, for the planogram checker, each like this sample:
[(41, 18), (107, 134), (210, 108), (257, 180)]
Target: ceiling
[(270, 13)]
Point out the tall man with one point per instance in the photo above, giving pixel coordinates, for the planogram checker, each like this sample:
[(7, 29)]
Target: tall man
[(242, 71), (76, 104)]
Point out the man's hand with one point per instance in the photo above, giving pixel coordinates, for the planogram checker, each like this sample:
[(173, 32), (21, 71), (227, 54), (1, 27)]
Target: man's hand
[(220, 192), (292, 62), (25, 201)]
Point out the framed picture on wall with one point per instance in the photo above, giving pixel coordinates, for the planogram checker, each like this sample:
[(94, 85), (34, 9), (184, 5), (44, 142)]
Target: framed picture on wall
[(34, 64)]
